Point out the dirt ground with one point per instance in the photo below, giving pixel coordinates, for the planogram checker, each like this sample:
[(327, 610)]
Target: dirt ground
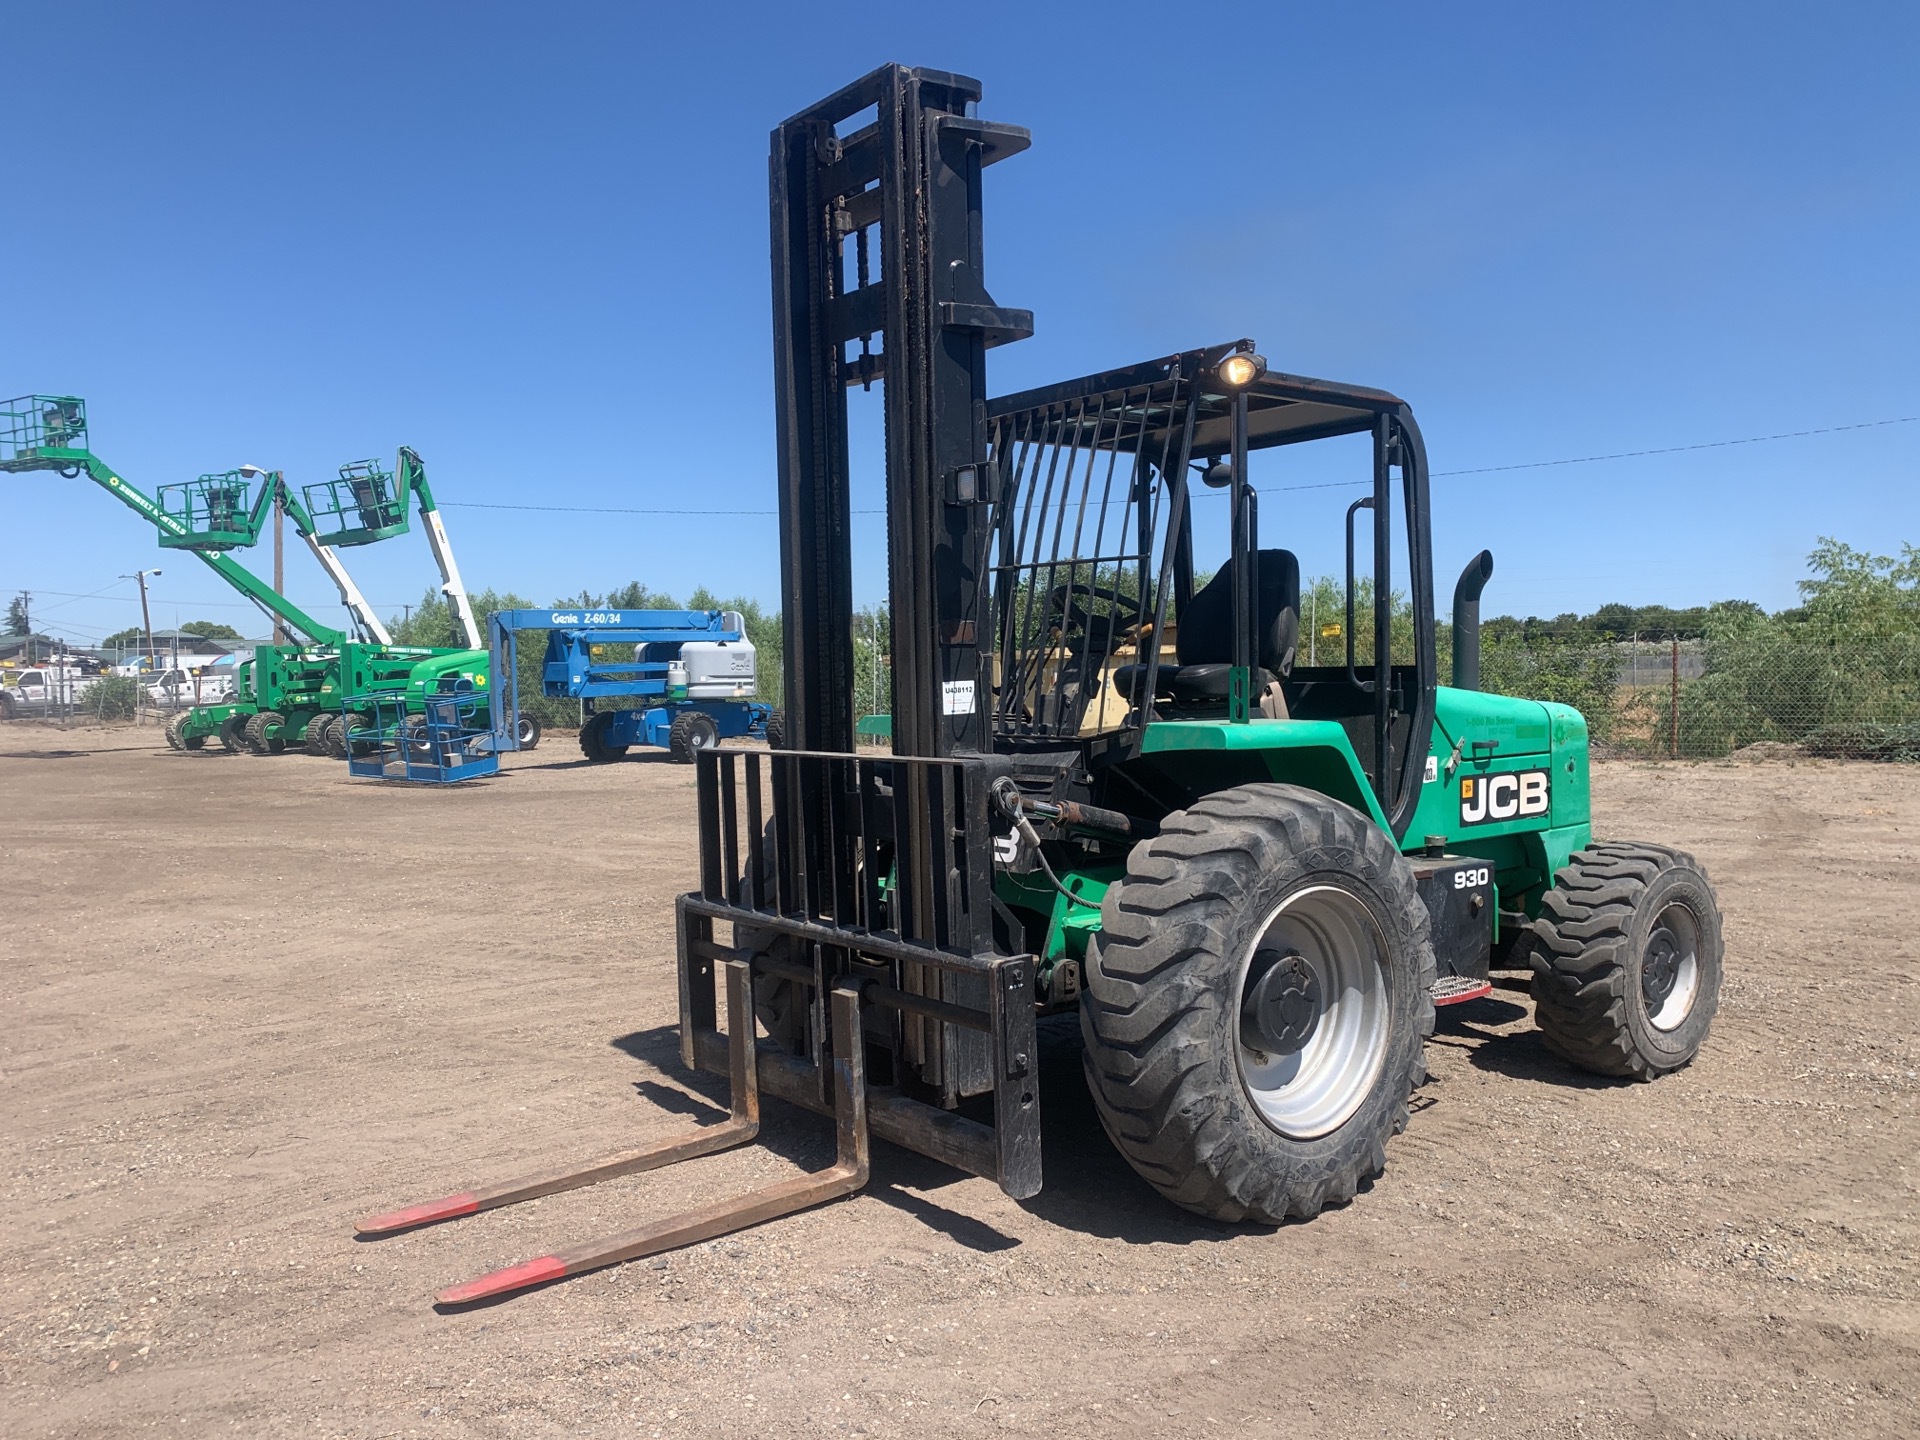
[(247, 1001)]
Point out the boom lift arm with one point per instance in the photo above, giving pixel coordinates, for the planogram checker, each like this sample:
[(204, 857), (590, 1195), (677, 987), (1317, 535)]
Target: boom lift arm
[(367, 504), (48, 432), (369, 624)]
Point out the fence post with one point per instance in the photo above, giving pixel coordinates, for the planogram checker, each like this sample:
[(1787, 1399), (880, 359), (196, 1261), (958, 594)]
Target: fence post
[(1673, 706)]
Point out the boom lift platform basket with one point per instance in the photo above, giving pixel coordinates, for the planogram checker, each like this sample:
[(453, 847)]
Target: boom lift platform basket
[(437, 743)]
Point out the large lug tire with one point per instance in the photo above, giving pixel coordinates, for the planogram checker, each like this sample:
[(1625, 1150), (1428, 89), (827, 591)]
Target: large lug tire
[(319, 740), (177, 724), (529, 735), (1257, 1004), (258, 739), (233, 733), (777, 731), (1626, 958), (417, 740), (692, 732), (593, 740), (348, 737)]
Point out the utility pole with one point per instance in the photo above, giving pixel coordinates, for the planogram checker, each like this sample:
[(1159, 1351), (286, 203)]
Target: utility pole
[(279, 562), (26, 620), (146, 616)]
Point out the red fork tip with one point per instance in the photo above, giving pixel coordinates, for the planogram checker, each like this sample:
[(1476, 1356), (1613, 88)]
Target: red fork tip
[(501, 1282), (447, 1209)]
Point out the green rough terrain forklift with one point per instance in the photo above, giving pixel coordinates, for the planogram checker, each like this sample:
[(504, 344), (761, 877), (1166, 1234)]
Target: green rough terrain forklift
[(1114, 788)]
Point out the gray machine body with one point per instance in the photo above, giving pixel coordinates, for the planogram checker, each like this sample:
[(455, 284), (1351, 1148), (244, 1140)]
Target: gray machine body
[(713, 669)]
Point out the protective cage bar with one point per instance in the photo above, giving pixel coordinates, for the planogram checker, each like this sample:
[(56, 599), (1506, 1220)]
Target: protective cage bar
[(214, 512), (949, 1016), (36, 423), (1091, 488), (364, 505)]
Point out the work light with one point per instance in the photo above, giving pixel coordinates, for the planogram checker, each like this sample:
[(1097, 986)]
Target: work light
[(1240, 369)]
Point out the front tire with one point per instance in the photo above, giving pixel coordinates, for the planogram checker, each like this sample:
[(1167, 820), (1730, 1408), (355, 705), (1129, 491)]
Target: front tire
[(176, 726), (529, 733), (1627, 959), (233, 733), (1257, 1004), (319, 741), (265, 732), (593, 740), (692, 732)]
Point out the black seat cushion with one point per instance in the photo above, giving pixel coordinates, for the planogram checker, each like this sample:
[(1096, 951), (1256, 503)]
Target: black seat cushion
[(1205, 636), (1203, 644)]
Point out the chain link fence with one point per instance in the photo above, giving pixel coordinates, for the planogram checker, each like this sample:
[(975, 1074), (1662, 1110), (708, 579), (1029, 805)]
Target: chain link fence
[(1839, 696)]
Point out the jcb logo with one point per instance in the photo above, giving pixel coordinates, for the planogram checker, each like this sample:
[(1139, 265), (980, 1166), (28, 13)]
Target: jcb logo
[(1486, 798)]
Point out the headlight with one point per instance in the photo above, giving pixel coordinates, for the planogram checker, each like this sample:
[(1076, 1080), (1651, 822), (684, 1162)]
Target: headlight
[(1240, 369)]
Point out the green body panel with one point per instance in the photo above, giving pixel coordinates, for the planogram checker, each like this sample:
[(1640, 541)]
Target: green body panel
[(1069, 923), (1530, 736), (1516, 737), (1313, 753)]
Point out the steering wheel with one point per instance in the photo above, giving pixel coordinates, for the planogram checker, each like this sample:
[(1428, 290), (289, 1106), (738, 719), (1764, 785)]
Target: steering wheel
[(1115, 624)]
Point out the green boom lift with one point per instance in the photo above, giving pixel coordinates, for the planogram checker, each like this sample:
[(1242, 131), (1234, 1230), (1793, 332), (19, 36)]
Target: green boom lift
[(287, 694)]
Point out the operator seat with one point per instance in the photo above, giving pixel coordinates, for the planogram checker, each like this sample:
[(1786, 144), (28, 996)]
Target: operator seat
[(1203, 643)]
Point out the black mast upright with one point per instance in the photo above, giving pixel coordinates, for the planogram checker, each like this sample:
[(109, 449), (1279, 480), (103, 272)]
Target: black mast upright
[(912, 174)]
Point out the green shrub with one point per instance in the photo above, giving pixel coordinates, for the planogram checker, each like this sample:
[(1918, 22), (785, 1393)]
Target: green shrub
[(114, 697)]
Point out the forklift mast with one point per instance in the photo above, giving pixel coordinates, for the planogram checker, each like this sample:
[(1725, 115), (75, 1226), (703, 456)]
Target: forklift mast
[(877, 250)]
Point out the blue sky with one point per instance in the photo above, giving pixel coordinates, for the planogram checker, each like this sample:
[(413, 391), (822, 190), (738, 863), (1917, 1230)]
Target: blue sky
[(532, 243)]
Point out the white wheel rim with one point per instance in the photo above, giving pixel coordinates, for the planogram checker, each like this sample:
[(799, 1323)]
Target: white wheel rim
[(1315, 1090), (1670, 1011)]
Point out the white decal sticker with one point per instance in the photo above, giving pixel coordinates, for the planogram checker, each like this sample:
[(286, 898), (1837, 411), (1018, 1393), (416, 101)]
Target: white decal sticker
[(956, 697)]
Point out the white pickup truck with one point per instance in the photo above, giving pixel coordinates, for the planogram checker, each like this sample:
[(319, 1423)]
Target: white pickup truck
[(41, 691)]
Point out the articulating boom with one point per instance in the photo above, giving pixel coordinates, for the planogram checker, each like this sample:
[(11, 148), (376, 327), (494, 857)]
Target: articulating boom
[(214, 513), (49, 432), (368, 503)]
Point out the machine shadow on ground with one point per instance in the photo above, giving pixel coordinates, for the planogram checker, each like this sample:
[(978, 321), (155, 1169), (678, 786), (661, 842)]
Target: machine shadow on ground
[(1482, 1030), (1089, 1188)]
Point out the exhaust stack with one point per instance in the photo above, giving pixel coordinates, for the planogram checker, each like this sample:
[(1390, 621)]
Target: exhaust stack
[(1466, 621)]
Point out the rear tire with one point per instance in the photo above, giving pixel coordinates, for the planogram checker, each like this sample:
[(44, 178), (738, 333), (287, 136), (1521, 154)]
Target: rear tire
[(417, 740), (1626, 958), (593, 742), (348, 738), (692, 732), (258, 740), (233, 733), (1257, 1004), (319, 740), (529, 735)]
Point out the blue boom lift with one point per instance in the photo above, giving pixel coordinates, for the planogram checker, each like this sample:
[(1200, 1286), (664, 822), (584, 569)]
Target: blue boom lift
[(684, 680)]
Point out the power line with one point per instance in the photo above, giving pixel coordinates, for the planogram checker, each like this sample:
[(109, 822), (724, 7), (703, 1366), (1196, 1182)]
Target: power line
[(1326, 485), (1676, 449)]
